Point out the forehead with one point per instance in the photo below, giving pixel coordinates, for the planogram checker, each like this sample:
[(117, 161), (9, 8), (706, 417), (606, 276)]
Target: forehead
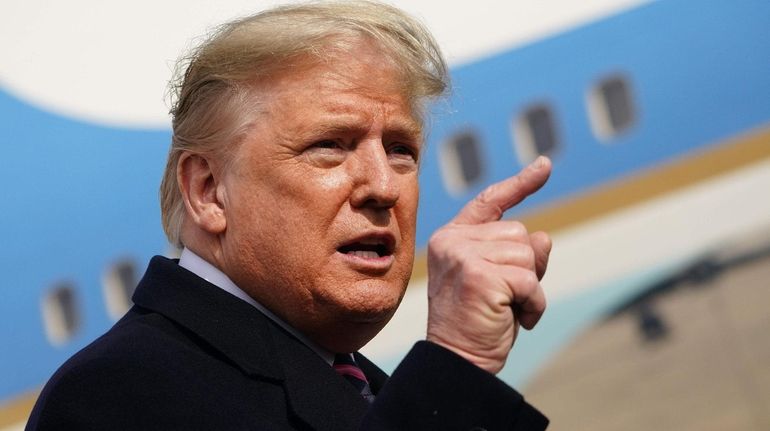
[(346, 85)]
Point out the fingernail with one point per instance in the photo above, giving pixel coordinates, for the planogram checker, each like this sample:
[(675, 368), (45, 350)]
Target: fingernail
[(538, 163)]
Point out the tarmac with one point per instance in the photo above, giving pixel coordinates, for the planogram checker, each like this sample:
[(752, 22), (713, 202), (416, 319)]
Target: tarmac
[(693, 354)]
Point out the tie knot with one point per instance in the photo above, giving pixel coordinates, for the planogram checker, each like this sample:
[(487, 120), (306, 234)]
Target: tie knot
[(346, 366)]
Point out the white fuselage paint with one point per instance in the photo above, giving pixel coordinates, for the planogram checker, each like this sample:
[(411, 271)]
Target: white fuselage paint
[(673, 228), (109, 62)]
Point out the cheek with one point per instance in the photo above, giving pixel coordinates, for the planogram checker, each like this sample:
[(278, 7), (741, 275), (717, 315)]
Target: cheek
[(317, 199), (409, 200), (311, 188), (307, 207), (332, 181)]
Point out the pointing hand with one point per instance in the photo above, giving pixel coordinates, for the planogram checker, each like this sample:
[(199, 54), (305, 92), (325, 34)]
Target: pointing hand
[(484, 273)]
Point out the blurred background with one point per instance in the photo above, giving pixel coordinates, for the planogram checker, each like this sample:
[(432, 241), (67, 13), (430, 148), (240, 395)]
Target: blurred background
[(655, 114)]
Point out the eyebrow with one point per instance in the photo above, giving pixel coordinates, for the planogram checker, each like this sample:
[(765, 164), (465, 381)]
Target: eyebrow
[(406, 128)]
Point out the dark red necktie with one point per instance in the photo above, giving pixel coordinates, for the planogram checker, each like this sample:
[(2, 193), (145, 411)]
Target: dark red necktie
[(347, 368)]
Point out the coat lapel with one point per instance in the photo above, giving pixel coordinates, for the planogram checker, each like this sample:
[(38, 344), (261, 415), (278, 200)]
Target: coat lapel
[(316, 393), (226, 323)]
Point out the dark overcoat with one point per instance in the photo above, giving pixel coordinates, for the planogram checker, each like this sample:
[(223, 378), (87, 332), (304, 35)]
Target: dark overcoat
[(189, 355)]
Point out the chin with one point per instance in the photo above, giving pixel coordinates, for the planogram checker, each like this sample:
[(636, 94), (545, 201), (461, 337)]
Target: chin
[(371, 315), (359, 309), (375, 301)]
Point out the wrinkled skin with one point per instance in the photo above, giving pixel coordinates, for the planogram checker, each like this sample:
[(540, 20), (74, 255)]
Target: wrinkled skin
[(484, 274), (332, 161)]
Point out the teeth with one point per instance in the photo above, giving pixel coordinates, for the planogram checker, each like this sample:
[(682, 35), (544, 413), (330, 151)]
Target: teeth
[(365, 254)]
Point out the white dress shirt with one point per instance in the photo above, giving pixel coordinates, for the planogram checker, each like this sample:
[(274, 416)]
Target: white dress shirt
[(203, 269)]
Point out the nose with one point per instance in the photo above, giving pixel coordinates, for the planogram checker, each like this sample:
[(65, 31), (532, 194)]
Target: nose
[(376, 185)]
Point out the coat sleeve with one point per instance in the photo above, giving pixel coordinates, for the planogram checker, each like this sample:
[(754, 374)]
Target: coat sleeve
[(435, 389)]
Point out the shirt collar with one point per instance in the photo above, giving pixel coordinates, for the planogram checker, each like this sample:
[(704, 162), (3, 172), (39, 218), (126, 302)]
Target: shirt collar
[(205, 270)]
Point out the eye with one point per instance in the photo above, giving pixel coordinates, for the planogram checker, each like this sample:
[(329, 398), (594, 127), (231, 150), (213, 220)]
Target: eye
[(325, 152), (326, 143), (403, 150)]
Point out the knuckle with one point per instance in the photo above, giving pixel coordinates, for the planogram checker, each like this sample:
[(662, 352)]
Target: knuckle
[(486, 195), (528, 284), (486, 199), (528, 255), (459, 254), (519, 228), (449, 247), (440, 240), (472, 274), (516, 229), (436, 238), (532, 281)]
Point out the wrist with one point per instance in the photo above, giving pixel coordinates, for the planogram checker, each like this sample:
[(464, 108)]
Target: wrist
[(487, 364)]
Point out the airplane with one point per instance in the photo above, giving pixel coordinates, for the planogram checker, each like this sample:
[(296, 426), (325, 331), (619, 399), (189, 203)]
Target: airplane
[(655, 115)]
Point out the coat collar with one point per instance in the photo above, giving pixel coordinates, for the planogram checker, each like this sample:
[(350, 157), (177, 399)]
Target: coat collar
[(225, 322), (255, 344)]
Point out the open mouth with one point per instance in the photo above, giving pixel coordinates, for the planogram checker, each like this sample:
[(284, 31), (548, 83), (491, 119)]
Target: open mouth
[(370, 247)]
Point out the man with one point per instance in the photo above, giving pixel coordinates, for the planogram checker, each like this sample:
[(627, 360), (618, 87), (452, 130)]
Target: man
[(292, 185)]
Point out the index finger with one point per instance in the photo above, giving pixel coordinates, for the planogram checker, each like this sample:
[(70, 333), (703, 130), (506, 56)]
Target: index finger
[(492, 202)]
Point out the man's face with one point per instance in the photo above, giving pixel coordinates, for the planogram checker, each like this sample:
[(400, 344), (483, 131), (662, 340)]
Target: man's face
[(321, 199)]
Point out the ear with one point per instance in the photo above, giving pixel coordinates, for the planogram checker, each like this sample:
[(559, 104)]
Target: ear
[(202, 198)]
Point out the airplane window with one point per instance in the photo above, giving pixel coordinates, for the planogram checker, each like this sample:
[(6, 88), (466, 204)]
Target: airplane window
[(611, 107), (119, 283), (61, 314), (461, 162), (535, 134)]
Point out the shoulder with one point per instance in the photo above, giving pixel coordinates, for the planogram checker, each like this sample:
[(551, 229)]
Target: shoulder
[(137, 344), (135, 375)]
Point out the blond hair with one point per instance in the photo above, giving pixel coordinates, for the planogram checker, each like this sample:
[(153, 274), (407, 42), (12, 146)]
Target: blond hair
[(213, 96)]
